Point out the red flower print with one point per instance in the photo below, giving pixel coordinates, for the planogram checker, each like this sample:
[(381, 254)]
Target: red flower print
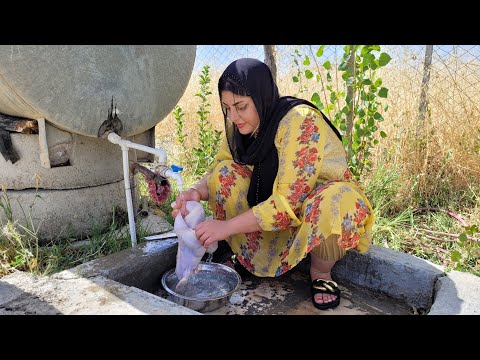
[(227, 181), (282, 221), (241, 170), (219, 211), (299, 188), (308, 129), (253, 240)]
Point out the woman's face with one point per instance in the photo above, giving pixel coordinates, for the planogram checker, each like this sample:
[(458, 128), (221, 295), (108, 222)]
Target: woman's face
[(241, 111)]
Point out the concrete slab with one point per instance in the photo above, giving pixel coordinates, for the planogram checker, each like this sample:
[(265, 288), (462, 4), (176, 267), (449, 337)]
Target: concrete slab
[(289, 294), (457, 293), (66, 293)]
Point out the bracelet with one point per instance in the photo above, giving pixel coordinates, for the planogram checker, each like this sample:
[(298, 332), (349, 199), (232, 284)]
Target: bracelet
[(198, 191)]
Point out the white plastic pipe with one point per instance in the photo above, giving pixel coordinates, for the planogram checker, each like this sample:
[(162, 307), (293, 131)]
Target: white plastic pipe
[(162, 158), (128, 195), (162, 155)]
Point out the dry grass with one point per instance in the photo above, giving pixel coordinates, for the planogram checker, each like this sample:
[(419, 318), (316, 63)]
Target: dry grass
[(446, 163)]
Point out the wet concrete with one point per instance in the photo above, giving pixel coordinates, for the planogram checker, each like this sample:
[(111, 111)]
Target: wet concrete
[(289, 294)]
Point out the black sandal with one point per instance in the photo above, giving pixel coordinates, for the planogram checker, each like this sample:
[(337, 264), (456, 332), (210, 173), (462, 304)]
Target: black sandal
[(323, 286)]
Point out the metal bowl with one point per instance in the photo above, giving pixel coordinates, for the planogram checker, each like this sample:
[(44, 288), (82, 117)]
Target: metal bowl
[(207, 289)]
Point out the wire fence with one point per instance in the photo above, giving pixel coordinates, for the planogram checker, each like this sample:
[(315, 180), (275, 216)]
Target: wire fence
[(454, 71)]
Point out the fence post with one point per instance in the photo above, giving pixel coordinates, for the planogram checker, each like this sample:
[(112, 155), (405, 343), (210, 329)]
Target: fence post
[(350, 100), (271, 59), (423, 92)]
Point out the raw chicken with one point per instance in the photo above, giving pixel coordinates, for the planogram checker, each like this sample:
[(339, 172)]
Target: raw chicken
[(190, 252)]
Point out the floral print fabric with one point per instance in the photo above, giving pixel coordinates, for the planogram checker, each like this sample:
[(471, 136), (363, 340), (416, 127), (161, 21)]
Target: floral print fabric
[(313, 197)]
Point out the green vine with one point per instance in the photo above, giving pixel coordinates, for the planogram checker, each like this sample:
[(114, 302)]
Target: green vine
[(356, 112)]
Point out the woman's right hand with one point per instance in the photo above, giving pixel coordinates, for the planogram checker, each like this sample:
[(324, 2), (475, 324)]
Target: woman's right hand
[(180, 203)]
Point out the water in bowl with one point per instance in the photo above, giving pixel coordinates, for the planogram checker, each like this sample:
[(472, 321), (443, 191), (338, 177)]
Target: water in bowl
[(203, 285)]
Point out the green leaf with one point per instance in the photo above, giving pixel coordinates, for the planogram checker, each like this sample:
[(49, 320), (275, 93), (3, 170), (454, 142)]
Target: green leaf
[(385, 108), (471, 230), (308, 74), (455, 256), (383, 92), (329, 77), (315, 98), (329, 108), (378, 116), (346, 110), (365, 50), (306, 61), (368, 59), (383, 134), (378, 82), (343, 66), (320, 51), (367, 82), (462, 238), (375, 141), (384, 59), (295, 79), (333, 97), (327, 65)]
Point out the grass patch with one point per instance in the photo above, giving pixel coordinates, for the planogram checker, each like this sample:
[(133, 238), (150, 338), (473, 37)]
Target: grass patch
[(20, 248)]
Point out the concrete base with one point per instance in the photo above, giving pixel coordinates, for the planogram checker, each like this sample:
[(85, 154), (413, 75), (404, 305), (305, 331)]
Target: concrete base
[(396, 274), (92, 161), (66, 213)]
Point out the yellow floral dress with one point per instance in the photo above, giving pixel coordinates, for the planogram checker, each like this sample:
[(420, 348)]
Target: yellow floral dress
[(313, 197)]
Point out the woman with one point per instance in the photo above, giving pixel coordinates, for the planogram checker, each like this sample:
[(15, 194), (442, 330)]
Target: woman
[(280, 187)]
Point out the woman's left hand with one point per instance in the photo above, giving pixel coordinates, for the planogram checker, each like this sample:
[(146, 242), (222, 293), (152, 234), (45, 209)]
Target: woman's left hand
[(209, 232)]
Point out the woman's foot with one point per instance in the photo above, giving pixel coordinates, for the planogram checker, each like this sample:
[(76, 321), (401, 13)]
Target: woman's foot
[(321, 269)]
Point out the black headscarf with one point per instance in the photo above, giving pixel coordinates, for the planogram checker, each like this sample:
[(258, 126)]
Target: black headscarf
[(251, 77)]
